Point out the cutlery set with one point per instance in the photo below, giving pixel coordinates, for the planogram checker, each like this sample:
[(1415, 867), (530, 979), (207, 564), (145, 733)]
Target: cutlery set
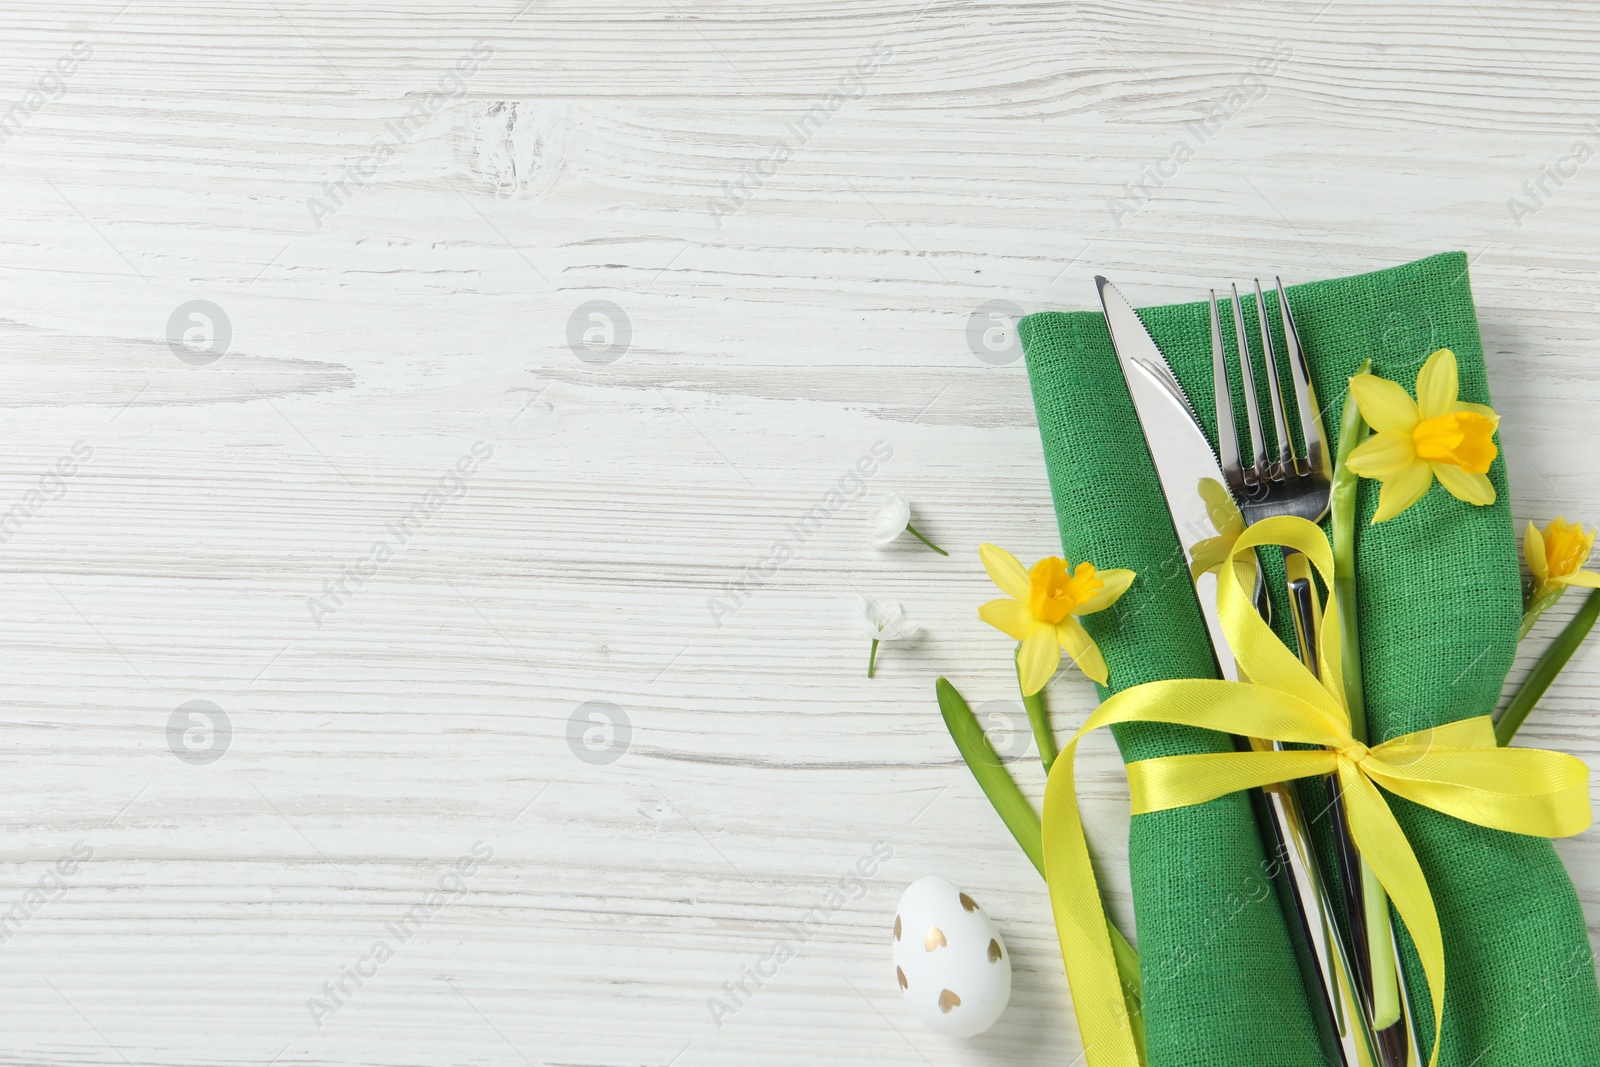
[(1293, 482)]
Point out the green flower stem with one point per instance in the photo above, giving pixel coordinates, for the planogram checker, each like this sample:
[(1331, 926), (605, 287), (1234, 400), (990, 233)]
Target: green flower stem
[(872, 660), (1385, 980), (1023, 822), (914, 532), (1544, 672), (1343, 516), (1537, 607), (1342, 508), (1044, 738)]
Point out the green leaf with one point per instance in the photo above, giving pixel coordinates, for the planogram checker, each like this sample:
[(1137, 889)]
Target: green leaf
[(1024, 824), (996, 782)]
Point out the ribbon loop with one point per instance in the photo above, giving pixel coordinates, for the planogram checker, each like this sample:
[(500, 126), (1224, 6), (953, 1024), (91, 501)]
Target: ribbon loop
[(1456, 769)]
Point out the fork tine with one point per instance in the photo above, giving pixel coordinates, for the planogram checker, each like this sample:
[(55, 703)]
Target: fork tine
[(1258, 445), (1305, 397), (1227, 429), (1286, 457)]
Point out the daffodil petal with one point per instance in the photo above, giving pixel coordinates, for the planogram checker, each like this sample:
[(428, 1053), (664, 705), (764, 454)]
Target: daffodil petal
[(1588, 579), (1077, 643), (1010, 617), (1208, 554), (1116, 580), (1437, 385), (1005, 571), (1038, 659), (1383, 455), (1386, 407), (1533, 549), (1472, 488), (1224, 513), (1543, 590), (1403, 489)]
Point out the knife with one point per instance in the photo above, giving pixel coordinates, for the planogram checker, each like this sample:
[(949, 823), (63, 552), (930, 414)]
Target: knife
[(1184, 459)]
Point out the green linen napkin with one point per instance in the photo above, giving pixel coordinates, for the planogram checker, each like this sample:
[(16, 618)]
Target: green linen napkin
[(1440, 599)]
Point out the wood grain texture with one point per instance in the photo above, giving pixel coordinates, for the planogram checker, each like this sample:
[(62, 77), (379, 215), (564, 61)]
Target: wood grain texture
[(972, 156)]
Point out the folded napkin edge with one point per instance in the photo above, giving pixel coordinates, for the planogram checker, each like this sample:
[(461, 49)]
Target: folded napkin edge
[(1026, 324)]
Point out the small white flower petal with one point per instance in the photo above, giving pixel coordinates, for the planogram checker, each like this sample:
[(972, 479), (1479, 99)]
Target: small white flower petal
[(886, 621), (891, 519), (901, 631)]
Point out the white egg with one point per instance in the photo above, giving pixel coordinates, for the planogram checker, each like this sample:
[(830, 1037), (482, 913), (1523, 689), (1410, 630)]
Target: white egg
[(950, 961)]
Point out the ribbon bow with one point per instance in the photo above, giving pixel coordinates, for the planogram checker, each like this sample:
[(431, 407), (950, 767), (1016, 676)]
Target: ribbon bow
[(1456, 769)]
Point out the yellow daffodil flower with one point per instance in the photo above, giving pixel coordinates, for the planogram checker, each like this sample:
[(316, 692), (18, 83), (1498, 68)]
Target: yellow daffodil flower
[(1041, 609), (1556, 557), (1416, 441), (1210, 554)]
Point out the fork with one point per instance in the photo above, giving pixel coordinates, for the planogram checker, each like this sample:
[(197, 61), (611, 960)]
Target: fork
[(1292, 484)]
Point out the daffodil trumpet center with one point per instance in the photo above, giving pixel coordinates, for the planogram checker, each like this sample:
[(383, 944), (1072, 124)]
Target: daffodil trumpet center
[(1054, 593), (1566, 549), (1462, 439)]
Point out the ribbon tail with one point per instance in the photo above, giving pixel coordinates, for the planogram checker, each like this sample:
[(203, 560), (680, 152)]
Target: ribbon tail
[(1081, 925), (1383, 844), (1518, 790)]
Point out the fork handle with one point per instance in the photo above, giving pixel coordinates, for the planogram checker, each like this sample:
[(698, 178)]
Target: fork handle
[(1392, 1041), (1304, 610)]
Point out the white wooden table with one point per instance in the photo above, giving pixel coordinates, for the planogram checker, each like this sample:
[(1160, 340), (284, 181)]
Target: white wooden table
[(399, 215)]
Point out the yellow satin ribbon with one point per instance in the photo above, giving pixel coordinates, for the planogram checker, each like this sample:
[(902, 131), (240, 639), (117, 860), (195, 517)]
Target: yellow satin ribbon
[(1456, 769)]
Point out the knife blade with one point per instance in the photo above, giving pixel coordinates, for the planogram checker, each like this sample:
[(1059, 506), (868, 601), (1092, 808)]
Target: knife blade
[(1184, 460), (1180, 450)]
